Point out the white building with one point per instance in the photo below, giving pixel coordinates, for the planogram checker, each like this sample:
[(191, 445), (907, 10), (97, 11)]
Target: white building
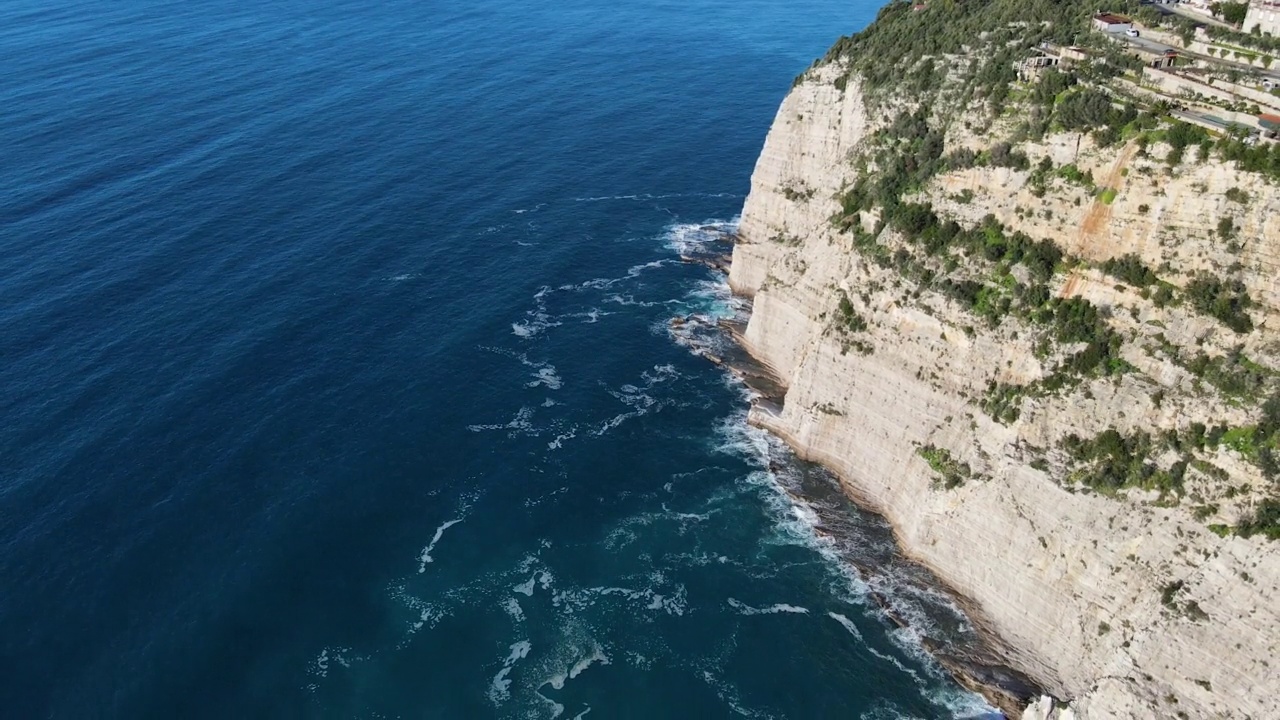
[(1264, 15), (1108, 23)]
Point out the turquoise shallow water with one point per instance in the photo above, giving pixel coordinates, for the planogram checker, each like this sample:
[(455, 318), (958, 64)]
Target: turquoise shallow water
[(338, 379)]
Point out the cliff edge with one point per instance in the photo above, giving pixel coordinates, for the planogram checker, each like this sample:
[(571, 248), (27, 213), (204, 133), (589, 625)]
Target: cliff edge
[(1043, 355)]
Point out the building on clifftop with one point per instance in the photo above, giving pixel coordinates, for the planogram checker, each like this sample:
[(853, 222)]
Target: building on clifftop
[(1263, 15), (1108, 23)]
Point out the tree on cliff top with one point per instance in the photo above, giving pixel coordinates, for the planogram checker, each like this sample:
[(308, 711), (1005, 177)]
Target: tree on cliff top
[(1232, 12), (902, 34)]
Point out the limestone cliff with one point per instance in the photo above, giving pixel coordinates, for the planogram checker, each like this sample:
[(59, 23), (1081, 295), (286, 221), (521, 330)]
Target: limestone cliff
[(1125, 602)]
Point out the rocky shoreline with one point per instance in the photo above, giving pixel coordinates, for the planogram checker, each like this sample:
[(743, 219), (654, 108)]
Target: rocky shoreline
[(978, 666)]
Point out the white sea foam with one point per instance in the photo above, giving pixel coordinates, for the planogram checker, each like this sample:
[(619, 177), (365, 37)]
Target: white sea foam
[(660, 374), (426, 558), (546, 376), (963, 705), (597, 656), (796, 522), (729, 696), (886, 710), (537, 323), (915, 676), (648, 196), (544, 373), (637, 398), (519, 651), (673, 602), (428, 613), (341, 655), (639, 660), (541, 578), (536, 501), (556, 708), (428, 617), (500, 687), (689, 238), (853, 629), (512, 608), (614, 422), (736, 437), (715, 299), (745, 609), (628, 300), (562, 437), (620, 537), (521, 424), (602, 283), (847, 623), (635, 270)]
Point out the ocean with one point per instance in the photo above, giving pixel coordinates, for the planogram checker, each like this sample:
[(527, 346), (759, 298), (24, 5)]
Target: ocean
[(339, 378)]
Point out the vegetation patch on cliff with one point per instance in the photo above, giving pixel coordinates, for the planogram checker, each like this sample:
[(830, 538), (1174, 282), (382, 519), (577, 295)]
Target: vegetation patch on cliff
[(949, 77), (950, 472)]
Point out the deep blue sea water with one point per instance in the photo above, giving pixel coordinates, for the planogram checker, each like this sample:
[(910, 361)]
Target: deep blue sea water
[(337, 378)]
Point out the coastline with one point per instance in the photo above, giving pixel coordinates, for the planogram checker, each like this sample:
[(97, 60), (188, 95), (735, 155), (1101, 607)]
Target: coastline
[(1078, 586), (983, 667), (993, 676)]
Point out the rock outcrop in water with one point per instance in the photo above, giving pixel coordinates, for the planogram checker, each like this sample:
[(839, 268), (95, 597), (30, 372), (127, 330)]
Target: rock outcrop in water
[(1079, 445)]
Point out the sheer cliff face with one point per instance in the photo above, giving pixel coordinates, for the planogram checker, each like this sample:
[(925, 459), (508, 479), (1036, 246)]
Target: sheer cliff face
[(1128, 606)]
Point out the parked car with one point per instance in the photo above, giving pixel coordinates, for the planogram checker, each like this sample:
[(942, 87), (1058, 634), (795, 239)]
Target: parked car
[(1131, 32)]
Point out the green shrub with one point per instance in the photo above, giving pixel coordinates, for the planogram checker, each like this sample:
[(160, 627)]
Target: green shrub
[(1234, 375), (1226, 228), (1180, 136), (1003, 402), (1003, 155), (1231, 12), (1084, 110), (1111, 461), (1237, 195), (1130, 269), (1262, 158), (849, 319), (951, 474), (1228, 301), (1073, 174), (1265, 521), (1077, 320)]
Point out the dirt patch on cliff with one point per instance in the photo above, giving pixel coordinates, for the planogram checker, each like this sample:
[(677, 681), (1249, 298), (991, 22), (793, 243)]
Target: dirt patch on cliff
[(1091, 240)]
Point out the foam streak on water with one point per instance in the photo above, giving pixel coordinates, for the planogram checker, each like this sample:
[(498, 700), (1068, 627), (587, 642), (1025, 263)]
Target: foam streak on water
[(673, 547)]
